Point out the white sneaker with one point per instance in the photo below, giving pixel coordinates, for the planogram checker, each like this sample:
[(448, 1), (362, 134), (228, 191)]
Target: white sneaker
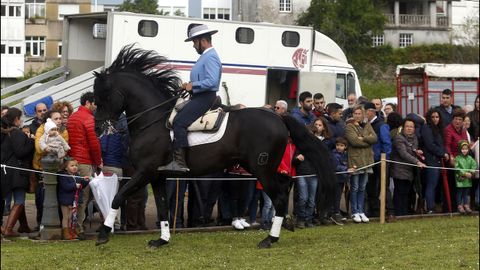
[(364, 218), (237, 224), (244, 223), (356, 218)]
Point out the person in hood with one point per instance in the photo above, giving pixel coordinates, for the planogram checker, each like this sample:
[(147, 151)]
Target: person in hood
[(465, 167)]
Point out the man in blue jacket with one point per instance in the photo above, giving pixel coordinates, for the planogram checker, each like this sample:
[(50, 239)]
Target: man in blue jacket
[(383, 145), (204, 84)]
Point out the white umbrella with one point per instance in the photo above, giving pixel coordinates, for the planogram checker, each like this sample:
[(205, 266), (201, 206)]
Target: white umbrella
[(104, 189)]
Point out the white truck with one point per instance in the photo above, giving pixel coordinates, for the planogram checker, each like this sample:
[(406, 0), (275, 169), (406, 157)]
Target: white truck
[(261, 62)]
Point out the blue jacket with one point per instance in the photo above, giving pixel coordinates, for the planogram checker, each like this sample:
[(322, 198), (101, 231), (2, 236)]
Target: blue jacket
[(336, 128), (433, 147), (341, 165), (67, 187), (206, 73), (302, 118), (114, 146), (384, 142)]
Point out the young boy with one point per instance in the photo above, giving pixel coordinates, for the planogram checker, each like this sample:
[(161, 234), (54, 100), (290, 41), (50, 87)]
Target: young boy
[(466, 166), (341, 165)]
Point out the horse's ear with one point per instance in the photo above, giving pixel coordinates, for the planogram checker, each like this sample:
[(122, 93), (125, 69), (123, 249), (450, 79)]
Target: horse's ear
[(96, 74)]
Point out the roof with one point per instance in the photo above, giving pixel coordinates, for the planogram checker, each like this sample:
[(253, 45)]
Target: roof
[(441, 70)]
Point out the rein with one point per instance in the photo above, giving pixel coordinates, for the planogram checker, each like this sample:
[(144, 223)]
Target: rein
[(136, 116)]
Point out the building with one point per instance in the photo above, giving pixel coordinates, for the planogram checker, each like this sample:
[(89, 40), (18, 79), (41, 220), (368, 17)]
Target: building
[(416, 22), (44, 30), (271, 11), (12, 41)]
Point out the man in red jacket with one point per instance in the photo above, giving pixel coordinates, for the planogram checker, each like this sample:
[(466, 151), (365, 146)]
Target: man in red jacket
[(85, 147)]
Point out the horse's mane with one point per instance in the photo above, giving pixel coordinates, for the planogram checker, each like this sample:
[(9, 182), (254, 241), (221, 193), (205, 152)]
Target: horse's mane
[(147, 63)]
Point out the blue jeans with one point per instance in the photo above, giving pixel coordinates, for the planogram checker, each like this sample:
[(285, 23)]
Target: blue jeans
[(358, 182), (432, 176), (307, 190), (462, 195), (268, 211), (19, 195)]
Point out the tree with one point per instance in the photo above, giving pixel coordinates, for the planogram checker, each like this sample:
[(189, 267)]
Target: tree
[(350, 23), (140, 6)]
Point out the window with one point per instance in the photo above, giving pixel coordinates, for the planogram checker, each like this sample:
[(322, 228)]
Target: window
[(59, 49), (406, 40), (35, 46), (15, 11), (34, 9), (2, 49), (378, 40), (340, 86), (14, 49), (285, 6), (147, 28), (209, 13), (18, 50), (66, 10), (100, 31), (4, 11), (223, 13), (244, 35), (290, 39)]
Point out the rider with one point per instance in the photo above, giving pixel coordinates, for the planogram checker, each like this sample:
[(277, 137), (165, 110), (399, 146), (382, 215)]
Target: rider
[(204, 83)]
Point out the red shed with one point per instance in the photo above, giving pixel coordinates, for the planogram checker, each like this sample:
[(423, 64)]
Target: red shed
[(420, 86)]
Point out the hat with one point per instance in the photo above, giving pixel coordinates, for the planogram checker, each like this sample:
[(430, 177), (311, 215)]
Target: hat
[(368, 106), (199, 30), (49, 125)]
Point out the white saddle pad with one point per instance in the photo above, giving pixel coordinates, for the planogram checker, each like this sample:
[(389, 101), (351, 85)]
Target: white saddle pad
[(198, 138)]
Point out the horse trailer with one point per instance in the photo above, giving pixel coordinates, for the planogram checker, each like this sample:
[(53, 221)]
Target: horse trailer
[(262, 62), (420, 86)]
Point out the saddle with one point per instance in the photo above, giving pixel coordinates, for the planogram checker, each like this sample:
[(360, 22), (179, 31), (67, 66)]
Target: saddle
[(209, 122)]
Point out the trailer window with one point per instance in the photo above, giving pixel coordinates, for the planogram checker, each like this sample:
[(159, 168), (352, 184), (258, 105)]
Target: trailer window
[(290, 39), (147, 28), (340, 86), (350, 84), (244, 35), (100, 30)]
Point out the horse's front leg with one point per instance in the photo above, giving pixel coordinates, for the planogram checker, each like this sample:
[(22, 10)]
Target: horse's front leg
[(160, 193), (137, 182), (278, 193)]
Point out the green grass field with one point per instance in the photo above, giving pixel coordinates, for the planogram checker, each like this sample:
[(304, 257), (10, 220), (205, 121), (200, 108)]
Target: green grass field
[(431, 243)]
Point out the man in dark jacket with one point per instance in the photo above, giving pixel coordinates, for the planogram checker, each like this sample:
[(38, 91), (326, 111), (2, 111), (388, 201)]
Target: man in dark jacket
[(336, 125), (40, 110), (383, 145), (446, 108), (304, 113)]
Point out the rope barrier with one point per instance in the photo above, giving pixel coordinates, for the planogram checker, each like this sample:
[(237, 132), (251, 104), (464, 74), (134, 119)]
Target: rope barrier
[(3, 166)]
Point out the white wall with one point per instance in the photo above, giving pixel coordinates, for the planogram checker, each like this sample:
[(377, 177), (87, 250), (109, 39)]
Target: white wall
[(13, 35), (460, 12), (420, 37)]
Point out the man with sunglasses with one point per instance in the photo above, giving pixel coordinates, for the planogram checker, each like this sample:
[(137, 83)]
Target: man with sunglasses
[(281, 107)]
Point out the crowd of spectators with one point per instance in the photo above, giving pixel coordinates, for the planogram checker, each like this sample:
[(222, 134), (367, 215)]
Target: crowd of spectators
[(447, 136)]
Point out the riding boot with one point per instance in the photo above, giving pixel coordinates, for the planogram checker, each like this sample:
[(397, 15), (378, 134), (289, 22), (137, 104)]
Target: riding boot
[(178, 163), (23, 228), (12, 220)]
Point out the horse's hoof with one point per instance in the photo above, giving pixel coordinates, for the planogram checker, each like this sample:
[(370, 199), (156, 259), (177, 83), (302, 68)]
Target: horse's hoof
[(265, 243), (157, 243), (103, 235), (288, 224)]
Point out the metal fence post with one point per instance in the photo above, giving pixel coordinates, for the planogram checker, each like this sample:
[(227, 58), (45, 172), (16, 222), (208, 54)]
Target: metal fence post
[(50, 220), (383, 186)]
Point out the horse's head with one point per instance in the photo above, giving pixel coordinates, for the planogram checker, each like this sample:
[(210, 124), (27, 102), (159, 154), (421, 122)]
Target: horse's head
[(110, 102)]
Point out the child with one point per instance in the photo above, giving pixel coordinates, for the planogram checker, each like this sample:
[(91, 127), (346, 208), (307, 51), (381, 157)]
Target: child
[(52, 141), (68, 184), (341, 165), (26, 130), (466, 167)]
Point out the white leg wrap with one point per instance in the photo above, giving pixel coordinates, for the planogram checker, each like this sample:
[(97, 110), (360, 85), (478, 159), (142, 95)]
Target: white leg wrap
[(164, 231), (112, 214), (276, 226)]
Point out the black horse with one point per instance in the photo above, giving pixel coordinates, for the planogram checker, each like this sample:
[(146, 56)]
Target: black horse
[(140, 83)]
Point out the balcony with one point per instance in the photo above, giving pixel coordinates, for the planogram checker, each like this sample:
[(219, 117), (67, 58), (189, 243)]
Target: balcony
[(407, 20)]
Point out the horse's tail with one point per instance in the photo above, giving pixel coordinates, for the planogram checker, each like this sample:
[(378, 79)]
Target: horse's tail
[(319, 156)]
